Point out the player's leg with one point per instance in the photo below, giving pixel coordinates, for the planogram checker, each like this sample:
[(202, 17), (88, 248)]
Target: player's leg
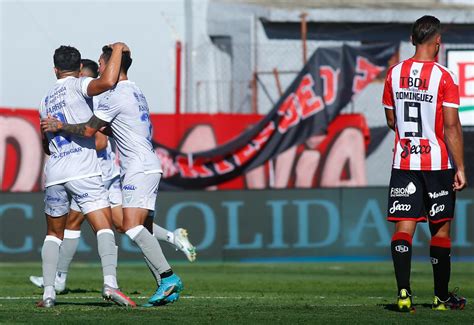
[(178, 238), (405, 208), (72, 236), (56, 208), (95, 206), (115, 198), (440, 202), (139, 197)]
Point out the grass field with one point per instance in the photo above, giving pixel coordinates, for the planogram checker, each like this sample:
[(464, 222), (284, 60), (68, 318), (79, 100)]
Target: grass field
[(239, 293)]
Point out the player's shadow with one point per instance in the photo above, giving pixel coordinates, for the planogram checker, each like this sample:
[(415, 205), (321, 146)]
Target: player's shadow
[(394, 307), (91, 304), (80, 290)]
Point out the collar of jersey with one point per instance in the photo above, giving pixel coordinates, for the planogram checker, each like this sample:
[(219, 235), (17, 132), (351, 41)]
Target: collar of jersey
[(64, 79)]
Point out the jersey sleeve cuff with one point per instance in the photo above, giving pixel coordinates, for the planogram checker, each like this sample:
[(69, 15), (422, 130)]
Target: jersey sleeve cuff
[(451, 105), (85, 85), (102, 116), (388, 107)]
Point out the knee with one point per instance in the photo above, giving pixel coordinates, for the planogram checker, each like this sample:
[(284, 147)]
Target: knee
[(58, 233)]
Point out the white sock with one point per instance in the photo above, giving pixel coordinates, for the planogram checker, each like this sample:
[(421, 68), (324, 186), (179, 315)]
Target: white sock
[(170, 237), (49, 292), (61, 277), (111, 281)]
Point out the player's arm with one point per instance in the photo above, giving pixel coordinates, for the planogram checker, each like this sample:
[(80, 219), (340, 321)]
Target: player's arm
[(45, 143), (111, 74), (390, 117), (387, 100), (100, 141), (87, 129), (454, 141)]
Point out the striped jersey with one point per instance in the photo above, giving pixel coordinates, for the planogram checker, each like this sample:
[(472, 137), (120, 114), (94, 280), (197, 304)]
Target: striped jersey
[(417, 92)]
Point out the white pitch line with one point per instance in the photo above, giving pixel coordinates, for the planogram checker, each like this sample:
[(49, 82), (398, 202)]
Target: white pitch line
[(61, 297), (186, 297)]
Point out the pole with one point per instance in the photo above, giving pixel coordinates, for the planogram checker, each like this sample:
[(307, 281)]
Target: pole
[(178, 78), (277, 81), (304, 35), (254, 93)]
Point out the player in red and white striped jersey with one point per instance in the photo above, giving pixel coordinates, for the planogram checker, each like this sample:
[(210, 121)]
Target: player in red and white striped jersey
[(421, 100)]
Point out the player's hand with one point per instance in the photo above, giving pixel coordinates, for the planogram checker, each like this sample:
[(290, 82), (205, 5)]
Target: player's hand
[(119, 45), (459, 181), (50, 124)]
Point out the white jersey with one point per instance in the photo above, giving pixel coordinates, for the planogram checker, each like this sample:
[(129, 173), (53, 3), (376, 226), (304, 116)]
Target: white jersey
[(126, 109), (72, 157), (107, 160), (107, 163)]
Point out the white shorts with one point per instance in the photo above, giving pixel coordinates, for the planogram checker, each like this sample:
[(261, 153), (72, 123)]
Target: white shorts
[(139, 190), (89, 194), (112, 186)]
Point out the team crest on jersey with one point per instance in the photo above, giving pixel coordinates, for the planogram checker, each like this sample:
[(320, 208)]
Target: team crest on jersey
[(415, 72)]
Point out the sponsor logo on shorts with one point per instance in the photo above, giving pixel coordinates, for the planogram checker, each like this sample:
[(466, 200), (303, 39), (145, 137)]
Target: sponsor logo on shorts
[(81, 196), (399, 207), (435, 209), (406, 191), (50, 198), (436, 195), (434, 260), (129, 187), (401, 248)]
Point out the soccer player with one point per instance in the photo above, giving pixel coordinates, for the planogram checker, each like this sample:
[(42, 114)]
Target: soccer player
[(111, 178), (124, 110), (73, 170), (421, 100)]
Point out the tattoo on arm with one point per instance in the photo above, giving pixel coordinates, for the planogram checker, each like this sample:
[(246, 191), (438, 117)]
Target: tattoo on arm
[(96, 123), (80, 129)]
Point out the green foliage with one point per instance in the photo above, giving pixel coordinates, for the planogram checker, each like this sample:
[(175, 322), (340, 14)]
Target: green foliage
[(313, 293)]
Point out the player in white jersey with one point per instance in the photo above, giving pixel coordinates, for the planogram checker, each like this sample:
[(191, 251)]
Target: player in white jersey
[(421, 98), (125, 111), (73, 170), (111, 178)]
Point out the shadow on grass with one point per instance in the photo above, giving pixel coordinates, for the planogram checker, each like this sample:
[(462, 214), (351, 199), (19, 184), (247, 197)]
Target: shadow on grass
[(394, 307), (79, 290), (90, 304)]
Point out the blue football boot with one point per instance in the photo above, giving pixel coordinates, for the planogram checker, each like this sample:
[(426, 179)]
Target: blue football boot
[(168, 286)]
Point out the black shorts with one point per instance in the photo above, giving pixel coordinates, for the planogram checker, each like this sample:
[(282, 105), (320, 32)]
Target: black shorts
[(421, 195)]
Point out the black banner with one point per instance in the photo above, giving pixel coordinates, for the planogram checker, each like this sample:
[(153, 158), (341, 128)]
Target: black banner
[(324, 86)]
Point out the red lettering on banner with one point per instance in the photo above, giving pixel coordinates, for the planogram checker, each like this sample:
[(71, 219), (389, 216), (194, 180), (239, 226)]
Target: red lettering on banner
[(330, 83), (202, 170), (250, 150), (185, 169), (192, 171), (308, 101), (223, 167), (289, 111), (264, 135), (464, 80), (245, 154), (366, 73)]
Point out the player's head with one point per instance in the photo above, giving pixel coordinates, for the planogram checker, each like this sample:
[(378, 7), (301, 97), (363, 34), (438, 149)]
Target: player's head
[(66, 59), (105, 57), (89, 68), (426, 30)]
